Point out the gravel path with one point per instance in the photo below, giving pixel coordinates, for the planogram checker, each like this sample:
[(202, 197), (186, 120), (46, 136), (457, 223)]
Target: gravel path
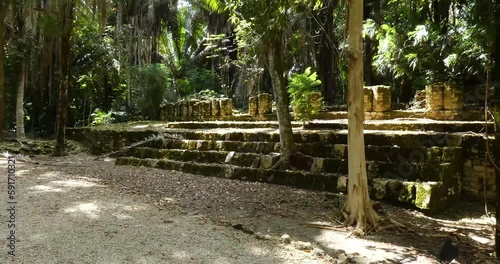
[(66, 214)]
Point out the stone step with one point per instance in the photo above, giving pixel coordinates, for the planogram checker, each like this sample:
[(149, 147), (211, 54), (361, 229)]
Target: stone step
[(335, 151), (227, 124), (406, 124), (427, 196), (305, 180), (447, 172)]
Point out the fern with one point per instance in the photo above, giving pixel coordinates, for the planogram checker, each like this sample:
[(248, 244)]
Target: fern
[(306, 101)]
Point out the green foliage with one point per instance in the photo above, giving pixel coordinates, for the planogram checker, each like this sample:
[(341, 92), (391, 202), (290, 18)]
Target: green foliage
[(150, 83), (100, 117), (204, 95), (306, 101)]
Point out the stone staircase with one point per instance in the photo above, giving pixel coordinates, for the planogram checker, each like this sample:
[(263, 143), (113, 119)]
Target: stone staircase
[(421, 166)]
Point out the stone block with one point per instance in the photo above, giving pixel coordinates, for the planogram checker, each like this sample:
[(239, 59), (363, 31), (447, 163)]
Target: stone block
[(339, 151), (431, 196), (368, 99), (379, 188), (226, 107), (453, 96), (215, 108), (434, 96), (253, 106), (265, 104), (317, 165), (342, 183), (381, 98)]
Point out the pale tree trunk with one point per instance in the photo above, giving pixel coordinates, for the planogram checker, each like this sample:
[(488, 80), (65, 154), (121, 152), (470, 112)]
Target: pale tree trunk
[(67, 22), (21, 68), (358, 204), (3, 11), (20, 134), (277, 70)]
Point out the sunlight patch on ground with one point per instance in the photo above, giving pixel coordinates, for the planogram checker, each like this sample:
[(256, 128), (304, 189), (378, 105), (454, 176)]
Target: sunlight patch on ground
[(121, 216), (90, 210), (372, 250), (259, 251), (140, 126), (76, 183), (50, 174), (44, 188)]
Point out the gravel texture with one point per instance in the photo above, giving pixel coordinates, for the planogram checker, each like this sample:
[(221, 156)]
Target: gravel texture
[(67, 214)]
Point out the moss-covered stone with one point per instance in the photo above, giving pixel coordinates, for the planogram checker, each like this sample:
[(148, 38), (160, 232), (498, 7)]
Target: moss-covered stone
[(452, 154), (379, 188), (430, 196)]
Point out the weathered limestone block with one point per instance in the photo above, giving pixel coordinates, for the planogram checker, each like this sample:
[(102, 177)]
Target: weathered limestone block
[(342, 183), (379, 189), (206, 109), (265, 103), (368, 98), (253, 106), (196, 110), (453, 96), (185, 110), (179, 106), (215, 108), (226, 107), (431, 196), (317, 165), (434, 96), (381, 98)]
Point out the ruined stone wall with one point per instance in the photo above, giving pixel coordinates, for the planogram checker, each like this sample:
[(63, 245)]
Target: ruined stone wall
[(377, 98), (475, 168), (260, 105), (444, 101), (196, 110)]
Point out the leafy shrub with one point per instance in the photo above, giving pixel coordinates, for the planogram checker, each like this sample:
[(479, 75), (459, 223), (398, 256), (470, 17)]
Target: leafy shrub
[(150, 84), (204, 95), (306, 100), (100, 117)]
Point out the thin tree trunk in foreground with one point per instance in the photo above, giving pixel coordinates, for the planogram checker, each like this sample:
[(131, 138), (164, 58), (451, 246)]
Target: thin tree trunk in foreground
[(3, 11), (20, 134), (496, 111), (358, 204), (67, 13), (276, 69)]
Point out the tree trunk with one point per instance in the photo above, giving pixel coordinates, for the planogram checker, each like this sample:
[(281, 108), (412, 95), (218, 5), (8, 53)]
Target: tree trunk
[(67, 22), (3, 12), (358, 204), (20, 134), (277, 70), (326, 55), (496, 111)]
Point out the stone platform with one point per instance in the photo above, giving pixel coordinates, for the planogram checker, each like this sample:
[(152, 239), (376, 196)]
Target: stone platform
[(421, 162)]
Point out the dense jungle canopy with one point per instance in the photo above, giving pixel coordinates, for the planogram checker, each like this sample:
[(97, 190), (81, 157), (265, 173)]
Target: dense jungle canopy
[(126, 57)]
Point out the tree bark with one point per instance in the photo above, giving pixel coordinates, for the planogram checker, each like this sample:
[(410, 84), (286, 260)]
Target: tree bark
[(20, 134), (3, 11), (277, 71), (67, 22), (496, 111), (326, 55), (358, 204)]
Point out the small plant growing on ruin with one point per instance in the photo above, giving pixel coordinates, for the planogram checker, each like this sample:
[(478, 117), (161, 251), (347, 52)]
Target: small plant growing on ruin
[(306, 101)]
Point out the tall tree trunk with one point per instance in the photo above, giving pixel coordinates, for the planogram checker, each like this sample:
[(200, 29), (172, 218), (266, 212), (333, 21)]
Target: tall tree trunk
[(326, 56), (496, 111), (67, 22), (358, 204), (277, 70), (20, 134), (3, 11)]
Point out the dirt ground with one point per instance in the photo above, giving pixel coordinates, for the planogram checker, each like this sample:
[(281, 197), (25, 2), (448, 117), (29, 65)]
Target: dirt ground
[(80, 210)]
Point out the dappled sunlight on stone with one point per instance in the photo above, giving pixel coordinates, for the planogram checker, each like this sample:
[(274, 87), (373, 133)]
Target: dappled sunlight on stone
[(90, 210)]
